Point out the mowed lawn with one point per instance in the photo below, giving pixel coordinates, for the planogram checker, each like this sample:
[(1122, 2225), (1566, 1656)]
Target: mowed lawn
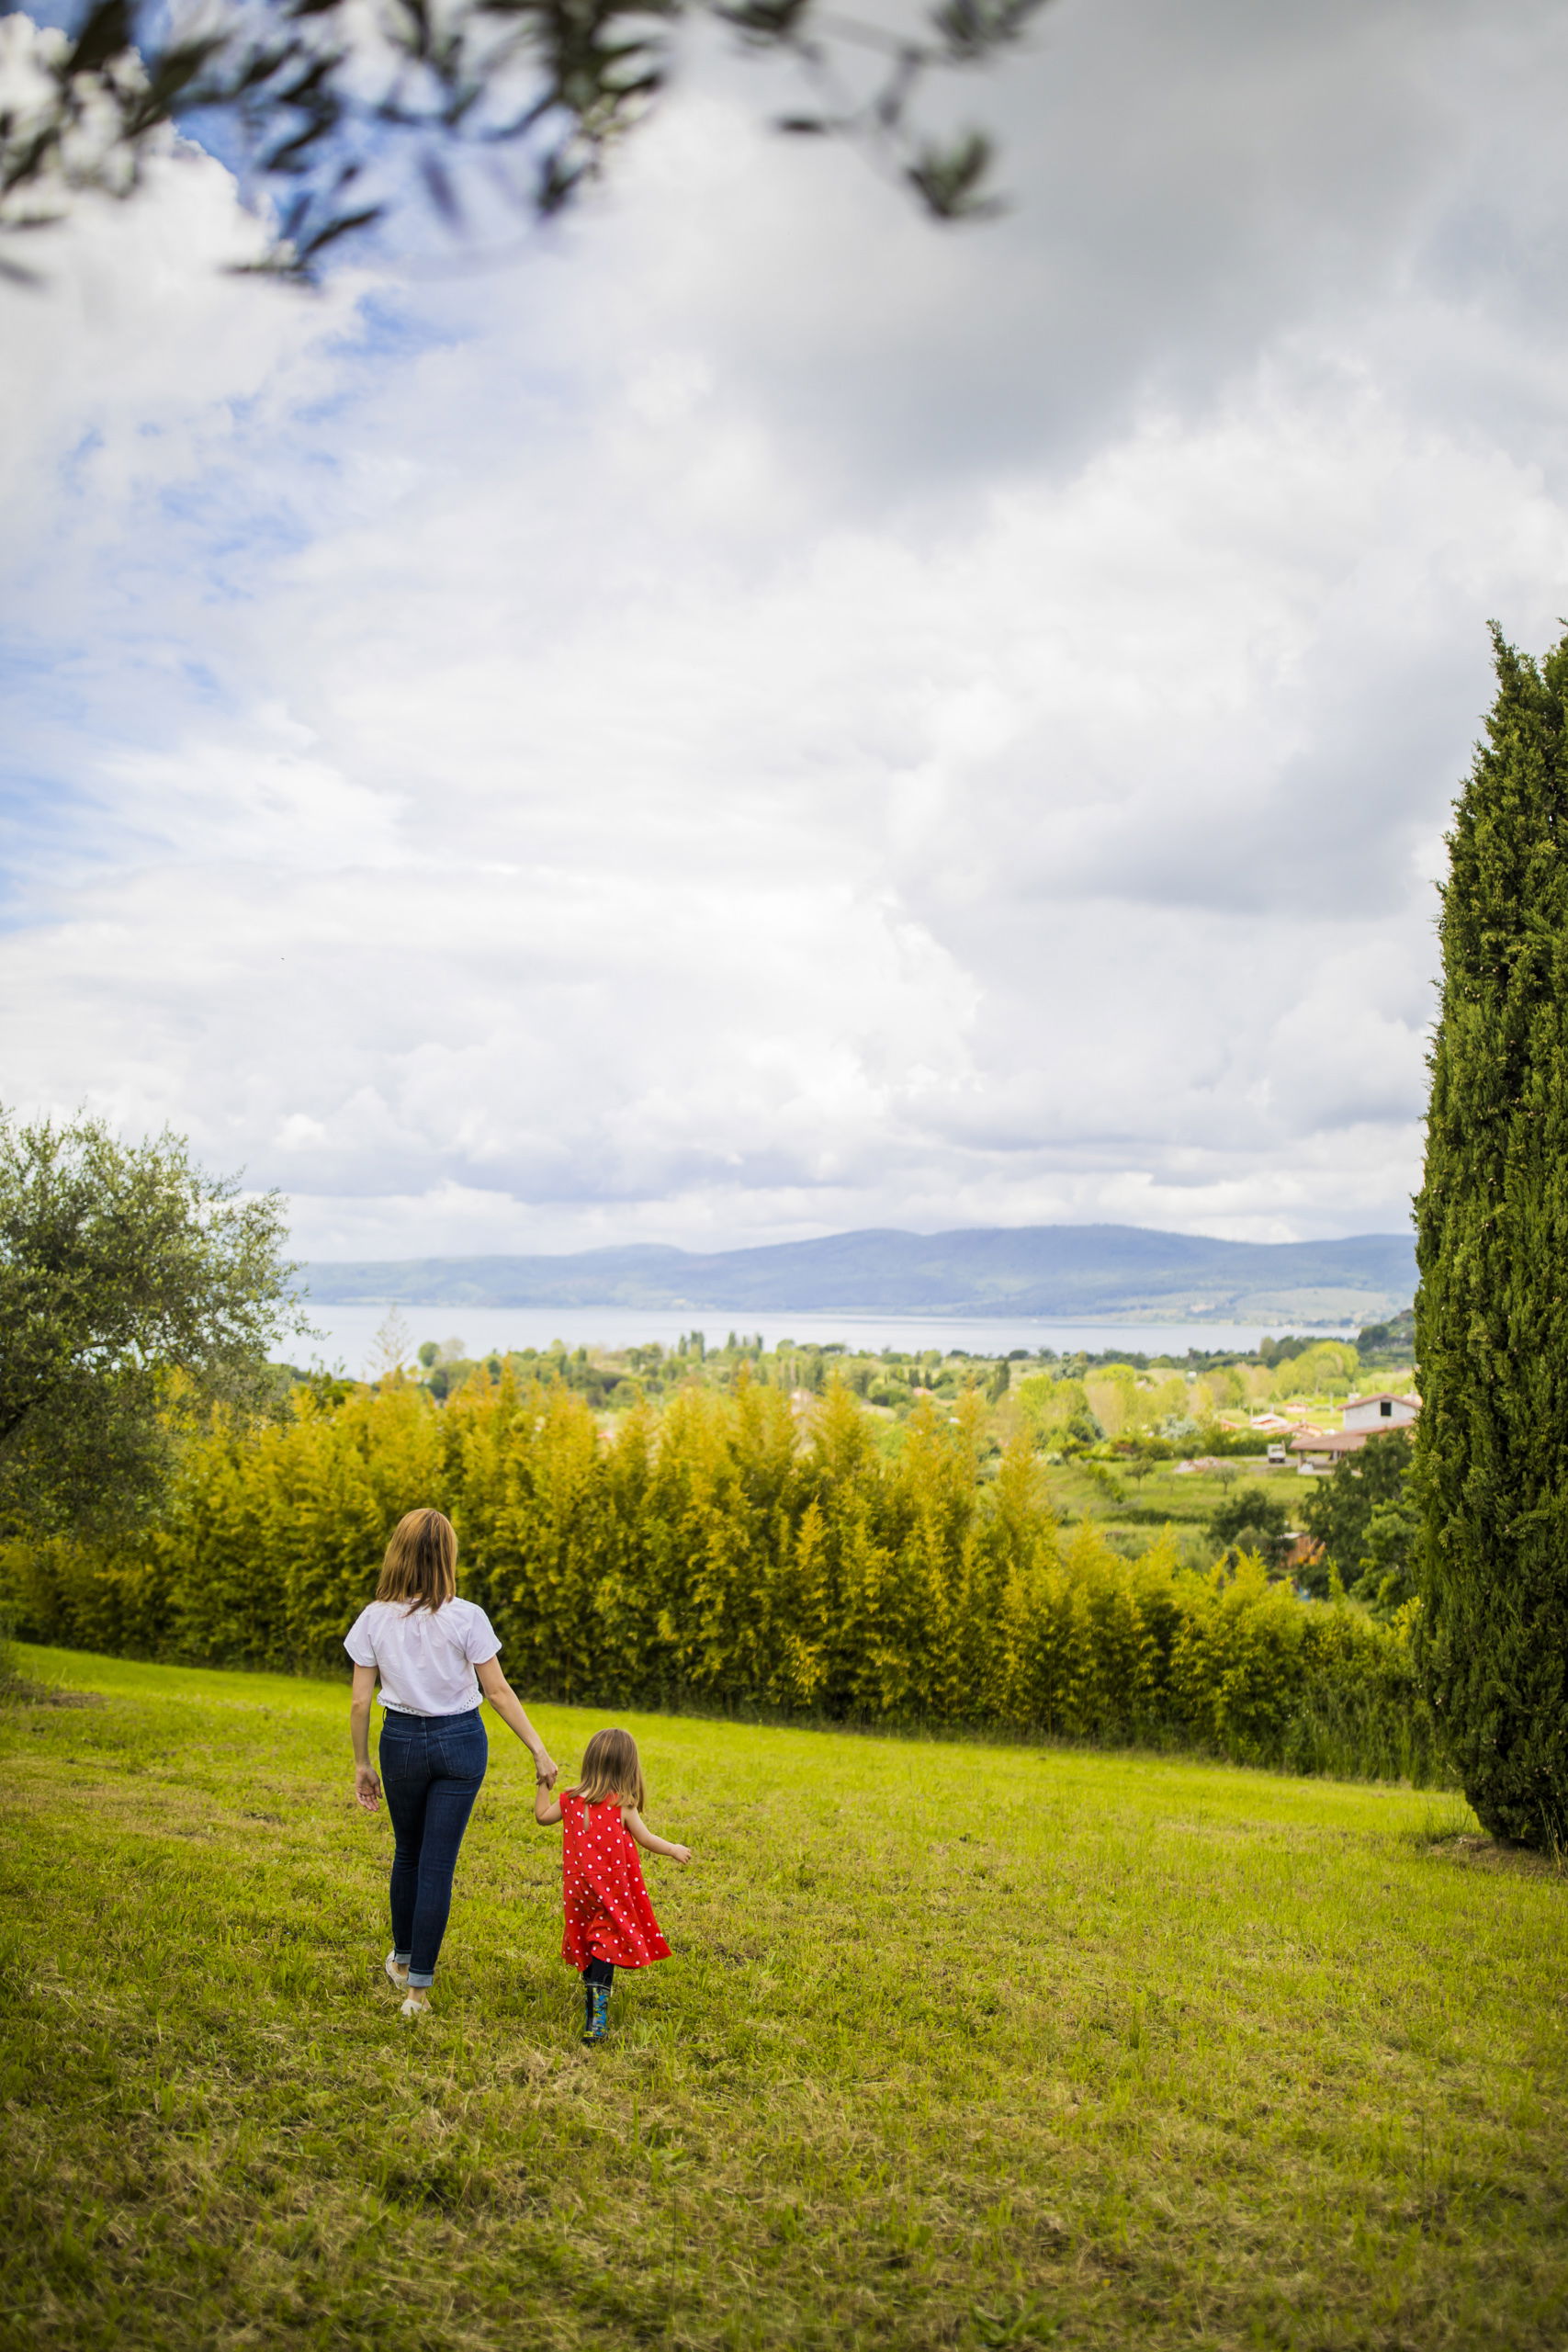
[(961, 2045)]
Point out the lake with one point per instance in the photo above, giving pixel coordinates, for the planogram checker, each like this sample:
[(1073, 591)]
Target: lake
[(347, 1334)]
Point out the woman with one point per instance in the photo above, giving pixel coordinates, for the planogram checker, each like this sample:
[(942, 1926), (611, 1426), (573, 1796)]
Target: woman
[(433, 1655)]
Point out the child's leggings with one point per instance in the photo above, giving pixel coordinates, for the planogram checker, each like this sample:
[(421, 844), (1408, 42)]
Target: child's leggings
[(600, 1972)]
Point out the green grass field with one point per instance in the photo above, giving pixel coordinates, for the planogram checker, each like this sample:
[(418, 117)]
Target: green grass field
[(959, 2047), (1132, 1511)]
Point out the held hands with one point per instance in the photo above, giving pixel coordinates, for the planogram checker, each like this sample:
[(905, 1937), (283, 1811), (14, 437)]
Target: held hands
[(366, 1787), (545, 1773)]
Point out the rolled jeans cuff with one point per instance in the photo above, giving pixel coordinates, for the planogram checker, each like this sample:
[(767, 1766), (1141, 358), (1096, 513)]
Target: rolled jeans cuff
[(420, 1983)]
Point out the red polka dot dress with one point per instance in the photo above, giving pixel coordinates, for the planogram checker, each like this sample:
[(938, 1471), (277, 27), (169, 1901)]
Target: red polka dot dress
[(609, 1915)]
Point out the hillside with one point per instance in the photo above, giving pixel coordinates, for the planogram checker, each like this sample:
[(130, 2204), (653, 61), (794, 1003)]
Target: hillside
[(1066, 1270), (959, 2046)]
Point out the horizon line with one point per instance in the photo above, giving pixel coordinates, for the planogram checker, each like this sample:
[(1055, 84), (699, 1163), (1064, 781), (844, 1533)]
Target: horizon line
[(911, 1233)]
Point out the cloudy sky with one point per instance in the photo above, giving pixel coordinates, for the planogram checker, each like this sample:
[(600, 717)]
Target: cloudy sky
[(760, 715)]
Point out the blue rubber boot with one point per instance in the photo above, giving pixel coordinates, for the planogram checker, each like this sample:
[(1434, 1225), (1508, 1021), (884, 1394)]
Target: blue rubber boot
[(596, 2024)]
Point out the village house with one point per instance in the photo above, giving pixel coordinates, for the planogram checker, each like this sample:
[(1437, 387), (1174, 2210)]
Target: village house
[(1365, 1417), (1381, 1410)]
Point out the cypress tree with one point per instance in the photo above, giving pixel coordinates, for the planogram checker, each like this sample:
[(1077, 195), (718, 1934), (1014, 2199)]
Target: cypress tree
[(1492, 1245)]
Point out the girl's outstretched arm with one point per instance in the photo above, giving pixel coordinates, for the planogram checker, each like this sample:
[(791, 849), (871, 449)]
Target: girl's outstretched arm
[(547, 1808), (647, 1841)]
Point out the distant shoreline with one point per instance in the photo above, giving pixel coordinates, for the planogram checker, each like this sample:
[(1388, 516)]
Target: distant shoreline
[(354, 1336), (1333, 1327)]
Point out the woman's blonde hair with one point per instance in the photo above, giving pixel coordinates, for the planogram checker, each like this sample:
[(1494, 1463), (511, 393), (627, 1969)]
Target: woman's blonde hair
[(421, 1566), (612, 1768)]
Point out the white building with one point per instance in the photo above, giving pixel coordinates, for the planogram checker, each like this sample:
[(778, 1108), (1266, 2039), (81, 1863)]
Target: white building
[(1381, 1410), (1365, 1417)]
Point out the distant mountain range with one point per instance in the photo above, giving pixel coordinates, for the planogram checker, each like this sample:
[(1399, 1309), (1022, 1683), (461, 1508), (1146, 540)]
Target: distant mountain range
[(1068, 1271)]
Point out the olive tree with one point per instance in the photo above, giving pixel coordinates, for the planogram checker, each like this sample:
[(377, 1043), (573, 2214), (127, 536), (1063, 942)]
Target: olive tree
[(136, 1291), (337, 110)]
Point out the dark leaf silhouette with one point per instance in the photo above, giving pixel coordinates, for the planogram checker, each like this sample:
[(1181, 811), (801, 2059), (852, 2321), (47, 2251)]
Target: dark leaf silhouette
[(949, 179), (105, 34)]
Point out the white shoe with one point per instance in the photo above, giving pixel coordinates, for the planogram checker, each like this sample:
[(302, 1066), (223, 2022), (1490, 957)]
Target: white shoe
[(414, 2009), (400, 1975)]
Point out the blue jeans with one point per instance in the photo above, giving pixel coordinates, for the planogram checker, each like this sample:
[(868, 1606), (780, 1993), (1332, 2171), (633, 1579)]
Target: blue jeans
[(433, 1767)]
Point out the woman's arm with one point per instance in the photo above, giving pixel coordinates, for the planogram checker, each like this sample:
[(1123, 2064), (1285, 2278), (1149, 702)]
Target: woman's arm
[(509, 1707), (367, 1781), (648, 1842)]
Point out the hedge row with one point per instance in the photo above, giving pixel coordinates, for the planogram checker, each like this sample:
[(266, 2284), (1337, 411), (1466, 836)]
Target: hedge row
[(720, 1554)]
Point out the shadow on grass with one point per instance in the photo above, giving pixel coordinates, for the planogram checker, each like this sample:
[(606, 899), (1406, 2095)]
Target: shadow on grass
[(1451, 1832)]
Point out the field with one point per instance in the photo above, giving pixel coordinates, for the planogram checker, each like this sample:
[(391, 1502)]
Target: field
[(1133, 1509), (961, 2046)]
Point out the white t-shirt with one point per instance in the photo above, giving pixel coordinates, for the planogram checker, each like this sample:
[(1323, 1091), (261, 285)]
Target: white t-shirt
[(425, 1658)]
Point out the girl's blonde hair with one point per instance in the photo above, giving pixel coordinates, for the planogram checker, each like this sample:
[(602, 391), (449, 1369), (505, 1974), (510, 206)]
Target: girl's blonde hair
[(612, 1768), (421, 1566)]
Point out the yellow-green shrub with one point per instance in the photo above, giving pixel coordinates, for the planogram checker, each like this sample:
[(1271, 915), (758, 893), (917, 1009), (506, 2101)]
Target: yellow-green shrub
[(721, 1555)]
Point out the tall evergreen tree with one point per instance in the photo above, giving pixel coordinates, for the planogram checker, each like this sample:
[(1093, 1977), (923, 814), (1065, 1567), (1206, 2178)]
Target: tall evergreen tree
[(1492, 1244)]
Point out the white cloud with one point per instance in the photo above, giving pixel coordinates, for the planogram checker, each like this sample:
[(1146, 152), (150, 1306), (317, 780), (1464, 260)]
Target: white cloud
[(768, 717)]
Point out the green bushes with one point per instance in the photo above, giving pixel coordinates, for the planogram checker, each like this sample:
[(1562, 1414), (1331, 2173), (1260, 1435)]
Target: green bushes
[(720, 1555)]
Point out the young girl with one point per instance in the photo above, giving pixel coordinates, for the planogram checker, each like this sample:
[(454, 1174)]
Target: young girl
[(609, 1919)]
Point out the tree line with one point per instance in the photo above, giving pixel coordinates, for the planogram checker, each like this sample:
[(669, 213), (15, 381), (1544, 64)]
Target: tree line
[(1148, 1408), (730, 1553)]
